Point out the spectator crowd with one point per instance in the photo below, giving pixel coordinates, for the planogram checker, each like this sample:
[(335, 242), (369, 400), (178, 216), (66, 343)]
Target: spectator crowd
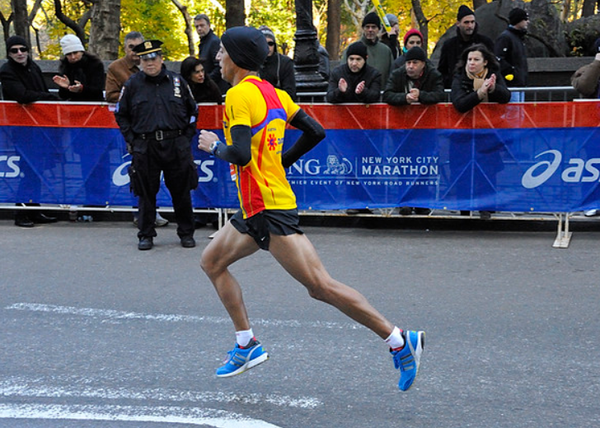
[(379, 66)]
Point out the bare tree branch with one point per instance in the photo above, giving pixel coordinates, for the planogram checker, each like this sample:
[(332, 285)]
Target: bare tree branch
[(68, 21), (188, 26)]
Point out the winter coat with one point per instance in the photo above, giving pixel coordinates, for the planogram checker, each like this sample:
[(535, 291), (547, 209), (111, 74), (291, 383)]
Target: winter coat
[(510, 50), (465, 98), (586, 80), (89, 70), (379, 56), (371, 77), (24, 83), (278, 70), (452, 50), (430, 85)]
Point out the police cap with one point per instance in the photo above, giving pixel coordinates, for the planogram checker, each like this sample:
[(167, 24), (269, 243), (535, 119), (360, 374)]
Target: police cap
[(148, 49)]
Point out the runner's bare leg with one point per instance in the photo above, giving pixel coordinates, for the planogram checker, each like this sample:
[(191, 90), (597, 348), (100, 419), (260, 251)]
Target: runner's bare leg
[(298, 257), (227, 247)]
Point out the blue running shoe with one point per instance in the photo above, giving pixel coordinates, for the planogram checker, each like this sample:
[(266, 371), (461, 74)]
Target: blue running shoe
[(241, 359), (408, 358)]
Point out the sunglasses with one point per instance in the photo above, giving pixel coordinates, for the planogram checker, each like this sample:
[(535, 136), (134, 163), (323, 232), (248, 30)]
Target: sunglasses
[(271, 43), (17, 50)]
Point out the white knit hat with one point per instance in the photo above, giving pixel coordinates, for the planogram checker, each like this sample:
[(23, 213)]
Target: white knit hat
[(71, 43)]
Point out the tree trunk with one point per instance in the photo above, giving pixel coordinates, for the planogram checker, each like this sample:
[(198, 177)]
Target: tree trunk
[(478, 3), (6, 25), (235, 15), (566, 8), (334, 19), (188, 26), (589, 8), (423, 22), (105, 28), (20, 22)]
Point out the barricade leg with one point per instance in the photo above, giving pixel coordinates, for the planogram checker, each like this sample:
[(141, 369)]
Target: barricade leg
[(563, 236)]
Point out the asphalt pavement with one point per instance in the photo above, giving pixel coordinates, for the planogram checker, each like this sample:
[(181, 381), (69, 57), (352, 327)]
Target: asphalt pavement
[(98, 334)]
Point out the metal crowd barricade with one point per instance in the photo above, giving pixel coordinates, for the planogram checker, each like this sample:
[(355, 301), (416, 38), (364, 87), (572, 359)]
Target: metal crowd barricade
[(375, 124)]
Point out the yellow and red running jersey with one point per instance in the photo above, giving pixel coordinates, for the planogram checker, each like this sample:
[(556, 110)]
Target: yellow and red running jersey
[(262, 183)]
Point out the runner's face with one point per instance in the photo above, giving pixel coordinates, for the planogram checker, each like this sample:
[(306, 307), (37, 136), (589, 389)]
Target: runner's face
[(226, 64)]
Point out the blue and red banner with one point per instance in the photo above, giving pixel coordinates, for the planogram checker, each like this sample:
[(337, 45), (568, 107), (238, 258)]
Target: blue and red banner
[(516, 157)]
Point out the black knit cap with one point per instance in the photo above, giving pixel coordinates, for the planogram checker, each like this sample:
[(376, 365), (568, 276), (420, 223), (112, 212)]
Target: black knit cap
[(16, 40), (463, 11), (246, 46), (517, 15), (371, 18), (357, 48), (416, 53)]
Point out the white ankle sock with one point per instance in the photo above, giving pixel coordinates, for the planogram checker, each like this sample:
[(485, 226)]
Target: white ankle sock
[(243, 337), (395, 339)]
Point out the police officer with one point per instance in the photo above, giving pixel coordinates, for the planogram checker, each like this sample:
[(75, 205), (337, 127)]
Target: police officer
[(157, 116)]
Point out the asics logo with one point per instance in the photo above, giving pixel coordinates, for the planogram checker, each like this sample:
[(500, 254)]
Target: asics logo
[(581, 171), (12, 169)]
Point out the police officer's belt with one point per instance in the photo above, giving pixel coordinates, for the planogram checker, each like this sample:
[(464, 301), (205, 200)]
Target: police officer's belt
[(161, 135)]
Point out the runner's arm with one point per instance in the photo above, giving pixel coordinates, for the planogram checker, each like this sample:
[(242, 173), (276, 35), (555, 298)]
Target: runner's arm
[(312, 134), (238, 153)]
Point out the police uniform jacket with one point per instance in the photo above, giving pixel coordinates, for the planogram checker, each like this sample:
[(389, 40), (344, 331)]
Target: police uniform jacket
[(430, 85), (454, 47), (156, 103), (24, 84), (510, 50)]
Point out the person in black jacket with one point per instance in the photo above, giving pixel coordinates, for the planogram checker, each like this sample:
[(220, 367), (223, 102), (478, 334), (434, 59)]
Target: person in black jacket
[(23, 82), (417, 81), (355, 81), (477, 79), (207, 50), (80, 74), (466, 35), (22, 79), (510, 50), (278, 69), (202, 86), (157, 117)]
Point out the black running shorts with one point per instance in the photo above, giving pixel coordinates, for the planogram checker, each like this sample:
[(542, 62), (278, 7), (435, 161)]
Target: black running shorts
[(261, 225)]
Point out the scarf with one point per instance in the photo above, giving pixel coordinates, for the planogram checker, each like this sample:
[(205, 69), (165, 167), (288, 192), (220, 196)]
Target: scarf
[(478, 81)]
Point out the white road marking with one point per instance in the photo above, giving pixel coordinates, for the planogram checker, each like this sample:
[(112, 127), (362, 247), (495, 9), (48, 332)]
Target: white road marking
[(27, 387), (109, 314), (165, 414)]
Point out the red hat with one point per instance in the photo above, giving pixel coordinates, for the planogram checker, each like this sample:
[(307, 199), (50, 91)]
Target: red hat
[(412, 32)]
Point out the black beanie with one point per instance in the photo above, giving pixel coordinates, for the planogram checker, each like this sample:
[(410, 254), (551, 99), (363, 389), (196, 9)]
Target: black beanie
[(15, 40), (246, 46), (371, 18), (416, 53), (463, 11), (357, 48), (517, 15)]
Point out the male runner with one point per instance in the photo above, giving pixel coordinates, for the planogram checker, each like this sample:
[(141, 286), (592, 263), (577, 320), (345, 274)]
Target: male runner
[(254, 120)]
